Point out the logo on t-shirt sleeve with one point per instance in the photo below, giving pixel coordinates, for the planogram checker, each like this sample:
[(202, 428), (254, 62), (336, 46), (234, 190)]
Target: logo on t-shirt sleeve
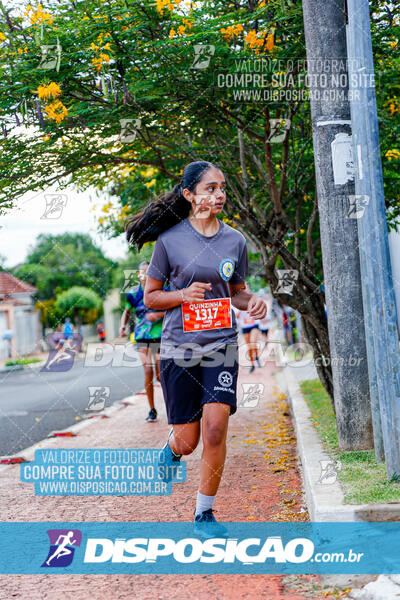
[(226, 268)]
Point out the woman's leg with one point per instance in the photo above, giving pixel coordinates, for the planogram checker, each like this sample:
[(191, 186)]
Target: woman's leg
[(157, 365), (254, 337), (185, 438), (217, 405), (214, 431), (145, 357), (246, 337)]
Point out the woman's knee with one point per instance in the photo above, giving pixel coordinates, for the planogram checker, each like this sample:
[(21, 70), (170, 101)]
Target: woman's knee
[(185, 444), (148, 372), (214, 434)]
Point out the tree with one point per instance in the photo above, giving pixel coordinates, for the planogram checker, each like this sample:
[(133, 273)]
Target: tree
[(57, 260), (79, 303), (130, 265), (127, 59), (38, 275), (50, 316), (325, 34)]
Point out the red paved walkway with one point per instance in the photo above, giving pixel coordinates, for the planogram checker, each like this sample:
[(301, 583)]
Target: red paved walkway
[(261, 482)]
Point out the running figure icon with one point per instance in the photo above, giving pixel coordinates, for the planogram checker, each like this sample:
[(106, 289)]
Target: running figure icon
[(62, 359), (62, 549)]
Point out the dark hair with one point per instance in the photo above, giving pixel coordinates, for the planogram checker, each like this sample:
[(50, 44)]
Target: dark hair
[(143, 263), (168, 210)]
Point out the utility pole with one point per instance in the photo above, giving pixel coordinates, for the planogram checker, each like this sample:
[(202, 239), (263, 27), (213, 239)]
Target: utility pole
[(378, 292), (325, 33)]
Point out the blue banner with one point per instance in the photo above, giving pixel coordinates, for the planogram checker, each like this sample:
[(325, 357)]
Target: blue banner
[(173, 548)]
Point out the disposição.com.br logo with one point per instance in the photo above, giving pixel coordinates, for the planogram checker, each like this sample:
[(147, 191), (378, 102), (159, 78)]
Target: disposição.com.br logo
[(62, 547)]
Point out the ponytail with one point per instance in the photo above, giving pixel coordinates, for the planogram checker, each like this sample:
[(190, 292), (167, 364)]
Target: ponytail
[(168, 210)]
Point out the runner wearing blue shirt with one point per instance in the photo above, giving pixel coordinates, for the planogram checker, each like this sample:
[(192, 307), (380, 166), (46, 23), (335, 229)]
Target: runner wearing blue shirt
[(146, 335), (68, 331), (205, 262)]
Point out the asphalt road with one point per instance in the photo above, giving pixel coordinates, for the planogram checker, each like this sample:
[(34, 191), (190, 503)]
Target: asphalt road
[(35, 403)]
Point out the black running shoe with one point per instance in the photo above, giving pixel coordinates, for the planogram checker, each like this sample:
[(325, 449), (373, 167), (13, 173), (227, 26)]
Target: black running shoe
[(152, 416), (252, 368), (206, 525)]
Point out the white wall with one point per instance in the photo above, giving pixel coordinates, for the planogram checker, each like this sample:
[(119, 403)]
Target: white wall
[(25, 331), (112, 314), (3, 328)]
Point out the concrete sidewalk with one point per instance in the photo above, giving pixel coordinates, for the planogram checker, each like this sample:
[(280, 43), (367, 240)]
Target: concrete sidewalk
[(261, 482)]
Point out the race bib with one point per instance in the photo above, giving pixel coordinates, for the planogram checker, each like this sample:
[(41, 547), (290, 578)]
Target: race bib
[(208, 314), (248, 321)]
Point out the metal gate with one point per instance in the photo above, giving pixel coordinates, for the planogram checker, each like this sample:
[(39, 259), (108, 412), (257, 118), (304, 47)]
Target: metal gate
[(3, 343), (25, 332)]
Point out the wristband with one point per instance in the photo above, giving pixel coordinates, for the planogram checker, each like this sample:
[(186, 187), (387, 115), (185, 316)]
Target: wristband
[(183, 299)]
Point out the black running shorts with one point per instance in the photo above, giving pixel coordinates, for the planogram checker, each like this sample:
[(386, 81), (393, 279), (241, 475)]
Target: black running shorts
[(154, 345), (186, 388)]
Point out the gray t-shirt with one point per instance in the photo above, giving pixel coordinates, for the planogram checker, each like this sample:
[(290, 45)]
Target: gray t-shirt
[(182, 255)]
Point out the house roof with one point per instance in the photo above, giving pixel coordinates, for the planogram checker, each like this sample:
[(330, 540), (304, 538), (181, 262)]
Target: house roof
[(10, 285)]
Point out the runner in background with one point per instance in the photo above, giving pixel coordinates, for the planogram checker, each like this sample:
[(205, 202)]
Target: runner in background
[(286, 325), (101, 332), (146, 335), (264, 324), (68, 329), (250, 331), (67, 333), (203, 259), (292, 325)]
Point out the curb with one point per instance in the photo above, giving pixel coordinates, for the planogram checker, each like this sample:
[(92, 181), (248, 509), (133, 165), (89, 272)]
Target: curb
[(11, 368), (325, 502), (33, 365)]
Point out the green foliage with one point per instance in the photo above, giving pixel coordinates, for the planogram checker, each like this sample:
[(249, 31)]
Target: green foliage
[(37, 275), (126, 271), (50, 315), (81, 304), (21, 361), (131, 263), (57, 260), (130, 59), (363, 479), (385, 38), (256, 283), (121, 61)]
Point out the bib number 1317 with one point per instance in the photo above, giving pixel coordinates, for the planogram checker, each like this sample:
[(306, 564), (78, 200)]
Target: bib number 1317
[(205, 314), (209, 314)]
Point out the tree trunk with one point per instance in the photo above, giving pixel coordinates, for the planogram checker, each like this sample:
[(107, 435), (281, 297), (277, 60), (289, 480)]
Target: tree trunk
[(321, 357), (325, 32)]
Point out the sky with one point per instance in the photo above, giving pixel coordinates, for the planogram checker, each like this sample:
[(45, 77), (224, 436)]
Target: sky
[(20, 226)]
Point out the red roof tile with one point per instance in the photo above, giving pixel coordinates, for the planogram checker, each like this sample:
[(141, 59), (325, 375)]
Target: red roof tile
[(11, 285)]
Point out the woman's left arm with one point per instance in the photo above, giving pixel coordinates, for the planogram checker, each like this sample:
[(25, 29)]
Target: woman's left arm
[(155, 316), (253, 304)]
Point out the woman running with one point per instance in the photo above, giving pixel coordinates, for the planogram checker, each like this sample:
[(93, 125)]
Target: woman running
[(205, 261), (250, 331), (146, 335), (264, 324)]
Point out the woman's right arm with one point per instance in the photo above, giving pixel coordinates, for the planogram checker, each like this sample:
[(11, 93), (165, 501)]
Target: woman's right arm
[(157, 298), (124, 321)]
